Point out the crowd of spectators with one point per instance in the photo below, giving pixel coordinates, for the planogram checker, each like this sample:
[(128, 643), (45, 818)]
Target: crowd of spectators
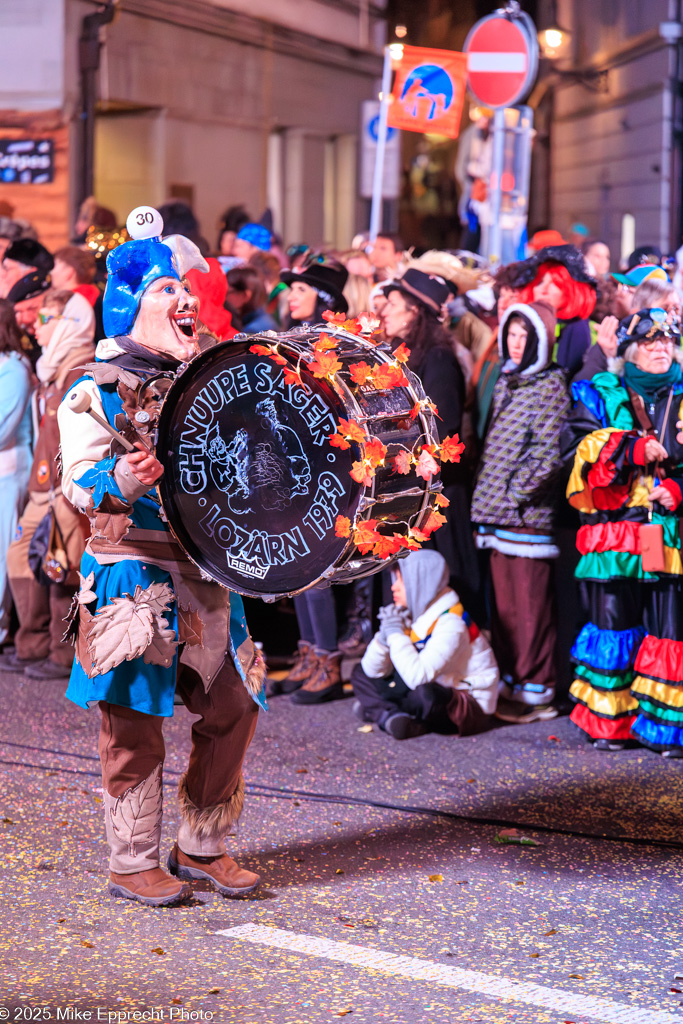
[(561, 375)]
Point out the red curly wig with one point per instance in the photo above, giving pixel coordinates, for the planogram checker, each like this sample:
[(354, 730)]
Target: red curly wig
[(578, 298)]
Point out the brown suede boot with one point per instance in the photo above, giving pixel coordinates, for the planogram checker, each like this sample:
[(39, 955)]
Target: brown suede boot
[(325, 683), (224, 874), (303, 667), (153, 887)]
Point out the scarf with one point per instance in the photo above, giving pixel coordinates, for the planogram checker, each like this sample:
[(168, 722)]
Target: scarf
[(137, 358), (649, 385)]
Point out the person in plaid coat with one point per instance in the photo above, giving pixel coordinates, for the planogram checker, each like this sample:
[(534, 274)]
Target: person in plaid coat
[(513, 508)]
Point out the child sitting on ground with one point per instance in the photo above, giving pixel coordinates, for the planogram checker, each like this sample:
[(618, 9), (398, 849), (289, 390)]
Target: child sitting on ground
[(428, 668)]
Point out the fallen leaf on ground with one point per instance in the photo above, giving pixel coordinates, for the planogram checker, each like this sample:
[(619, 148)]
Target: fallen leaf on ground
[(88, 945), (579, 977), (339, 871), (213, 991), (364, 728), (159, 951), (436, 878), (302, 771), (343, 1013), (553, 931)]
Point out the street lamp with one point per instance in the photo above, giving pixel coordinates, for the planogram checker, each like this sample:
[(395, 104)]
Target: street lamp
[(553, 39)]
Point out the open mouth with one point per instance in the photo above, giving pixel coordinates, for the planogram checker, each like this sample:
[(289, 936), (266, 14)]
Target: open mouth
[(186, 324)]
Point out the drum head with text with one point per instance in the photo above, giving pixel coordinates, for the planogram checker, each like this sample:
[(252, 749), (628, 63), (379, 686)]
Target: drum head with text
[(252, 487)]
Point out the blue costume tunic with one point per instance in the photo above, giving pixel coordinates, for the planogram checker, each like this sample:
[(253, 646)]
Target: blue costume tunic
[(136, 684)]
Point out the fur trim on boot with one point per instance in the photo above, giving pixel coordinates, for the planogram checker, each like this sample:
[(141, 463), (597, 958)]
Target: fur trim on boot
[(211, 822), (256, 675)]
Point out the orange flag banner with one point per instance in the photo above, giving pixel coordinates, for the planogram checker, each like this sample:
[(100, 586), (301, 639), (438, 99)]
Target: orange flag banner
[(429, 91)]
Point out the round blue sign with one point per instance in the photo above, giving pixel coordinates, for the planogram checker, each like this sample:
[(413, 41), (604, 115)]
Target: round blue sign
[(373, 129), (431, 82)]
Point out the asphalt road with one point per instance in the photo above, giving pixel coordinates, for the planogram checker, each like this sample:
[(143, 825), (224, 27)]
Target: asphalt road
[(371, 908)]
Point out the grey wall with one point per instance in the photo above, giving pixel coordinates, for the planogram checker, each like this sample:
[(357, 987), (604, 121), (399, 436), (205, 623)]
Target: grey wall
[(611, 147), (214, 88)]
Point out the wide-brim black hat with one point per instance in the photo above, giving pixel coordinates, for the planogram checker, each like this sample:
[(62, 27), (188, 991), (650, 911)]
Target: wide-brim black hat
[(567, 255), (28, 287), (328, 280), (32, 253), (645, 325), (429, 289)]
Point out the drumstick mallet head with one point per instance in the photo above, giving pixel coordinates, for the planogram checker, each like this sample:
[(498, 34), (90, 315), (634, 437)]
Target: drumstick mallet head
[(80, 401)]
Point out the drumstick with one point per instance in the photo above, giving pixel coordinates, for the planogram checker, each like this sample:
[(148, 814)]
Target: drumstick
[(80, 401)]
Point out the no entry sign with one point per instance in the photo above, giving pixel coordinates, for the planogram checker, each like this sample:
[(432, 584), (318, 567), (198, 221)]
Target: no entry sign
[(502, 58)]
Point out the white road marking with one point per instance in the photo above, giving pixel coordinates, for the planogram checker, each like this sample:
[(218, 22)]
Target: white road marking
[(496, 62), (605, 1011)]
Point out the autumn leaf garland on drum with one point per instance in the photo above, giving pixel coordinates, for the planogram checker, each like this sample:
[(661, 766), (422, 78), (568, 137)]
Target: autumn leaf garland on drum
[(422, 460)]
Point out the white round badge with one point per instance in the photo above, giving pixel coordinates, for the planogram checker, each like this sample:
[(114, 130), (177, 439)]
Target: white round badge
[(144, 222)]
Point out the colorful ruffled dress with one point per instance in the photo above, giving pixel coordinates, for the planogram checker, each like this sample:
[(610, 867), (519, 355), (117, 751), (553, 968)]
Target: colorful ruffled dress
[(629, 654)]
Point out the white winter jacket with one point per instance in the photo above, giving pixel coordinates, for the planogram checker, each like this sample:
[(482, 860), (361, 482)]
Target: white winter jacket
[(440, 648)]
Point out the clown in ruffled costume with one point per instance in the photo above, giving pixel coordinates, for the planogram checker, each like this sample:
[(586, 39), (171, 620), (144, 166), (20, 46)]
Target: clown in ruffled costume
[(146, 623), (627, 484)]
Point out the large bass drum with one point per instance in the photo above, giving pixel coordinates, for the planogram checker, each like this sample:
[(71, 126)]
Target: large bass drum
[(252, 487)]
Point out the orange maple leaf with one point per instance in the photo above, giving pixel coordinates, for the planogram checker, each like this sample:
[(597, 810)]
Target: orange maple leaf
[(334, 318), (292, 377), (351, 430), (352, 326), (342, 527), (360, 372), (451, 449), (324, 343), (426, 466), (388, 375), (403, 462), (368, 323), (362, 473), (339, 441), (375, 452), (422, 405), (442, 500), (365, 535), (410, 542), (385, 546), (402, 353), (271, 352), (419, 535), (324, 365), (434, 522)]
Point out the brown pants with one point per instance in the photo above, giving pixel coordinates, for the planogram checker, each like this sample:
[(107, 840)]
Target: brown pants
[(41, 609), (524, 618), (131, 743)]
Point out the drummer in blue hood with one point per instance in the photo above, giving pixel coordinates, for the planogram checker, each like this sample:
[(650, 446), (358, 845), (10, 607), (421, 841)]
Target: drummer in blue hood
[(146, 623)]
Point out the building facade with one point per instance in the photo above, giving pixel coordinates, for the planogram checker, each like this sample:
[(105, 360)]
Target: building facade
[(609, 123), (213, 101)]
